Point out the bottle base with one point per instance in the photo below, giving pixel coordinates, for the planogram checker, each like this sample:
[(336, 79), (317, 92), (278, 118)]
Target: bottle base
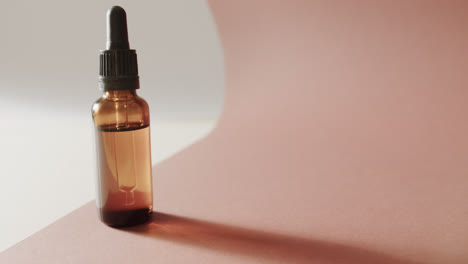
[(125, 218)]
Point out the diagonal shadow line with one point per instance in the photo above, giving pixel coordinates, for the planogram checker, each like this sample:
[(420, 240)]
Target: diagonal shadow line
[(257, 244)]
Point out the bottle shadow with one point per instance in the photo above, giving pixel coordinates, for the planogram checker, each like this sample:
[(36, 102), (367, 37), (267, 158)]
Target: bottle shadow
[(256, 244)]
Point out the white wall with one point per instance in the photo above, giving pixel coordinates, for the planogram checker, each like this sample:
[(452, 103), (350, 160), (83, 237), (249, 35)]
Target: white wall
[(50, 55)]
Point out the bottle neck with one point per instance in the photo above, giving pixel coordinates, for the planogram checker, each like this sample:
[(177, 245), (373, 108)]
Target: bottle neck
[(120, 94)]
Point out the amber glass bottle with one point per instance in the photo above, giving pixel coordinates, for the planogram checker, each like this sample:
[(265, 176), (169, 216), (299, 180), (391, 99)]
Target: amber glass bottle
[(121, 119)]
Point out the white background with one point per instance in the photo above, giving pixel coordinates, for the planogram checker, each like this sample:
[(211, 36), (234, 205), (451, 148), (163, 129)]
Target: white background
[(48, 81)]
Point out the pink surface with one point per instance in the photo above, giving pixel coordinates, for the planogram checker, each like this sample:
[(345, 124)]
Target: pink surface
[(343, 140)]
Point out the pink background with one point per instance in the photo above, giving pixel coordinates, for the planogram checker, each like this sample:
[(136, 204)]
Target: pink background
[(343, 140)]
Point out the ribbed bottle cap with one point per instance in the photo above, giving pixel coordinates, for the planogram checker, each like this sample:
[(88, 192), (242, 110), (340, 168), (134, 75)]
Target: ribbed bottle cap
[(118, 67)]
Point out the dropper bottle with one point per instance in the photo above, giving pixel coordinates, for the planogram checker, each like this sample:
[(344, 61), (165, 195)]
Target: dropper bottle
[(122, 123)]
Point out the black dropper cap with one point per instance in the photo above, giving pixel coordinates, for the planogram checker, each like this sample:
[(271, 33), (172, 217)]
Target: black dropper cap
[(118, 68)]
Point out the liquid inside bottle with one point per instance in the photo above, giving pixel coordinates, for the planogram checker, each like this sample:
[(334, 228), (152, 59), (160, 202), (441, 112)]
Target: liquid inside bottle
[(125, 187)]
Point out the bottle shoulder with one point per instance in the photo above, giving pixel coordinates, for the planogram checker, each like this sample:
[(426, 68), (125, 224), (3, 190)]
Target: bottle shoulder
[(103, 104), (122, 111)]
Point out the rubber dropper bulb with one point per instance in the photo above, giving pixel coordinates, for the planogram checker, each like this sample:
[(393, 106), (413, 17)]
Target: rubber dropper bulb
[(117, 34)]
